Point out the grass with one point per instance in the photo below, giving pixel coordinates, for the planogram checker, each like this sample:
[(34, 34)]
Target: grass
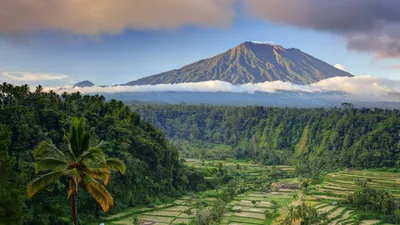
[(164, 213), (246, 220)]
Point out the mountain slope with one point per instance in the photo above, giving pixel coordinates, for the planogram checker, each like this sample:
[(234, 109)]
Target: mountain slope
[(251, 62)]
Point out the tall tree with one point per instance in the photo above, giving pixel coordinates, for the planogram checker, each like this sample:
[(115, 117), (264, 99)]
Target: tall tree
[(78, 163)]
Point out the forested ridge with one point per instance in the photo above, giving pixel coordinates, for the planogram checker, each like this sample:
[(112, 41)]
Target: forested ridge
[(319, 138), (153, 169)]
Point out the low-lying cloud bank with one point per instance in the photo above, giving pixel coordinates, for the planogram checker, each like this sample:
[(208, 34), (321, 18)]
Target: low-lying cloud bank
[(361, 88)]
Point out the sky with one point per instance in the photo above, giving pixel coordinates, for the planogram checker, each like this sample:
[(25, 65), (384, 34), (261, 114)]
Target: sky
[(109, 42)]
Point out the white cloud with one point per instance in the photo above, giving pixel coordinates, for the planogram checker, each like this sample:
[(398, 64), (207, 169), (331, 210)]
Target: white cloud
[(264, 42), (364, 87), (25, 76), (340, 67), (34, 78)]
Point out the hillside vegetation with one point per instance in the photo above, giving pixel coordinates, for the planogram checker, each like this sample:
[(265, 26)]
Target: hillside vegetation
[(26, 118), (324, 139)]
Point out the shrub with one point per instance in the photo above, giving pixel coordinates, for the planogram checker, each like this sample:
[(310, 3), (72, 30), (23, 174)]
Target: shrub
[(188, 212), (218, 210), (203, 217), (135, 220), (267, 214)]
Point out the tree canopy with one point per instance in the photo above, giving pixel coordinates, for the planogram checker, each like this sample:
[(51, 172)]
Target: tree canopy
[(27, 118), (322, 138)]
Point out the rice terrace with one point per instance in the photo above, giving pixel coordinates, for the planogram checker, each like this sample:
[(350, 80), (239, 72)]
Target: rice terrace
[(265, 196)]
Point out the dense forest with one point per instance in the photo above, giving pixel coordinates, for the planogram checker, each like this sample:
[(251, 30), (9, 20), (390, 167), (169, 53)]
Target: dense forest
[(312, 140), (153, 168), (319, 138)]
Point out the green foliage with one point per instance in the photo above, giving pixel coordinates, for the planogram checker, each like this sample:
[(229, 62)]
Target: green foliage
[(77, 163), (267, 214), (304, 213), (275, 172), (188, 211), (207, 216), (304, 184), (203, 217), (135, 220), (11, 183), (153, 168), (218, 210), (312, 140), (369, 198)]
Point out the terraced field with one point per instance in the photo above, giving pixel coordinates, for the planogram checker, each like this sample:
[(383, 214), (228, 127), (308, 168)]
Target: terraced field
[(250, 169), (246, 208), (251, 206), (180, 211), (337, 186)]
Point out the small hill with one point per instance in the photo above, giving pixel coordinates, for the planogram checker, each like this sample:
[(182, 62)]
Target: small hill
[(251, 62), (85, 83)]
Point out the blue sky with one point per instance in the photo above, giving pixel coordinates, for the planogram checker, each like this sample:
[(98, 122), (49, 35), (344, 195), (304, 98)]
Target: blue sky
[(134, 53)]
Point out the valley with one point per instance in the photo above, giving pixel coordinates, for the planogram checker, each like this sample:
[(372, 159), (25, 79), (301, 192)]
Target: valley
[(197, 165)]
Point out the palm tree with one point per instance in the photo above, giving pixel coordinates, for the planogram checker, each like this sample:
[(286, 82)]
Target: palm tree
[(5, 89), (79, 163), (302, 213)]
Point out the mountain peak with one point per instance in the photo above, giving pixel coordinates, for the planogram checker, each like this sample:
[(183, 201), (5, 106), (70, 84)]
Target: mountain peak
[(251, 62), (84, 83), (263, 45), (268, 44)]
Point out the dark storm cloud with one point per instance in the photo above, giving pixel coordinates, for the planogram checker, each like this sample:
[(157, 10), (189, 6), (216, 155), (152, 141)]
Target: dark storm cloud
[(366, 25)]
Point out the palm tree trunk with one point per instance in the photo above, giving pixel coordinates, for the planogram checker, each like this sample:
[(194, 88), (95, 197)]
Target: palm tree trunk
[(74, 208)]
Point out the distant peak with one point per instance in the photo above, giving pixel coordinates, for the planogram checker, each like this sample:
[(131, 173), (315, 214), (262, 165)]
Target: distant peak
[(84, 83)]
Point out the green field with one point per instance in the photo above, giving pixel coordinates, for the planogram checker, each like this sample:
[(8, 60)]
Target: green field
[(246, 208), (337, 186), (250, 206)]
